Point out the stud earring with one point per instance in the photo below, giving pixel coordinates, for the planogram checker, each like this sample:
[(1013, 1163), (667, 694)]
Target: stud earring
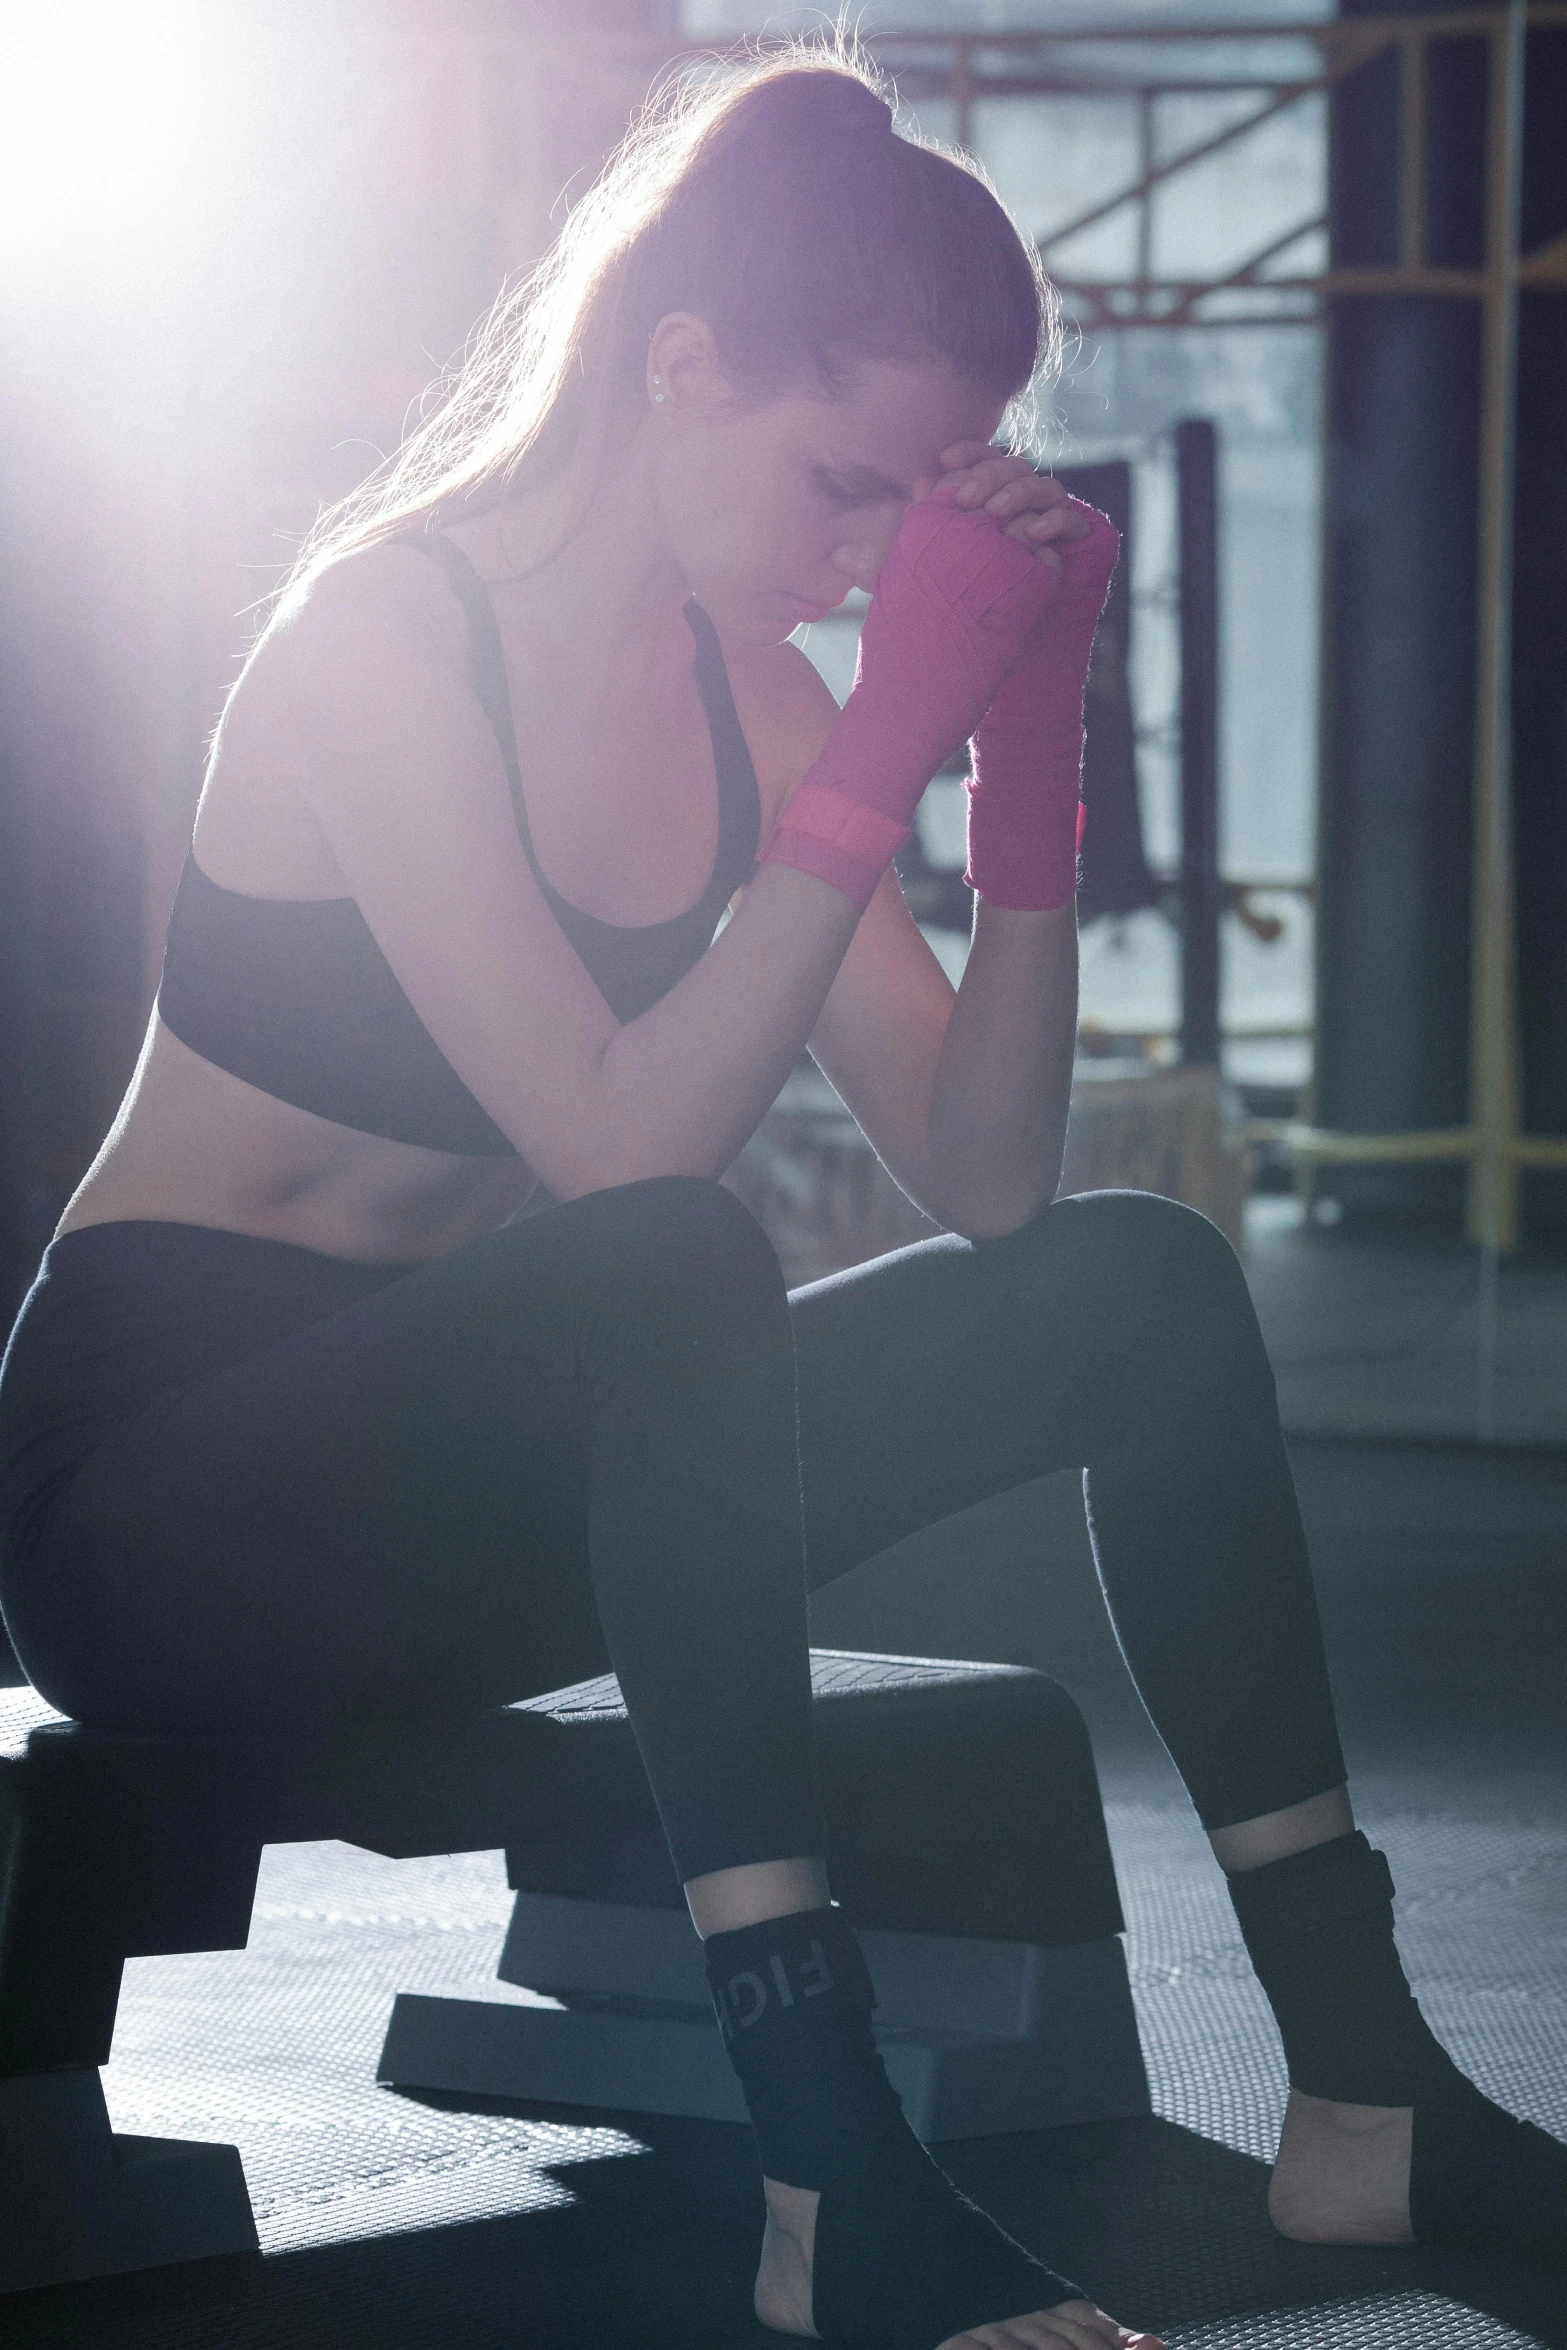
[(658, 397)]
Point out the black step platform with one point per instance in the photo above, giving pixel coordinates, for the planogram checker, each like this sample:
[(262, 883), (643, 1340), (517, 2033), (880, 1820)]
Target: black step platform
[(964, 1823)]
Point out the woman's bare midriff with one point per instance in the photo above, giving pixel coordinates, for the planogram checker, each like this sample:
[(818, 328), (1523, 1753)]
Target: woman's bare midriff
[(194, 1145)]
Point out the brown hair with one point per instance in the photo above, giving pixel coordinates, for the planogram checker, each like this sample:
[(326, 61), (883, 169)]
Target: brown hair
[(776, 200)]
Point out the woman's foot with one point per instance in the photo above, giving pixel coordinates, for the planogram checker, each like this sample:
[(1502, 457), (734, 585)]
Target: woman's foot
[(1454, 2168), (1342, 2173), (783, 2293), (1385, 2141), (869, 2245), (783, 2281)]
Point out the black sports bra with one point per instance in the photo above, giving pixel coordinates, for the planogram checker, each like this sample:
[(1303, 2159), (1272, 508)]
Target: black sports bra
[(294, 995)]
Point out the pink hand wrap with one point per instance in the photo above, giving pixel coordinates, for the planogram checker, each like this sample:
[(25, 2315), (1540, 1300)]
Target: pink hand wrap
[(1025, 817), (956, 601)]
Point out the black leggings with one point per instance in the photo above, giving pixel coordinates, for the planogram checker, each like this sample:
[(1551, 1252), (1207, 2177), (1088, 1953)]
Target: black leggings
[(245, 1484)]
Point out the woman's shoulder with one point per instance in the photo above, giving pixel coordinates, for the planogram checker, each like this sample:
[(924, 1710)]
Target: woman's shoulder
[(353, 643), (358, 687), (387, 600), (779, 679)]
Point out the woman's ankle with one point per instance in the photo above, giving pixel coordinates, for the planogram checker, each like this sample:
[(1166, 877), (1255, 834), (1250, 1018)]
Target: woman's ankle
[(1318, 1926), (1276, 1835), (792, 2208), (794, 2000), (727, 1900)]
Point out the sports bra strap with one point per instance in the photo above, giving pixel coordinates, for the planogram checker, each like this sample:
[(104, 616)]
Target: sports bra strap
[(738, 807), (486, 660)]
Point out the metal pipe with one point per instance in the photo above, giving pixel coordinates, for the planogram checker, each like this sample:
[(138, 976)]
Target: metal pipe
[(1412, 151), (1440, 24), (1197, 499), (1493, 1189)]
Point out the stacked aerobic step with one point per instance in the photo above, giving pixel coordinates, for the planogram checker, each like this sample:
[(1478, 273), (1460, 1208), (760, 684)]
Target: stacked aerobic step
[(965, 1838)]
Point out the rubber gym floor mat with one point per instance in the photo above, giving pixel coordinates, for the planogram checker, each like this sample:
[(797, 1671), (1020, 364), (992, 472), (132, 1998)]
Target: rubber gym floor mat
[(394, 2222), (1360, 2325), (1166, 2222), (393, 2219)]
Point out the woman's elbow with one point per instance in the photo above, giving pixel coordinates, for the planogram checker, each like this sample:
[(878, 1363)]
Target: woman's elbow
[(991, 1212)]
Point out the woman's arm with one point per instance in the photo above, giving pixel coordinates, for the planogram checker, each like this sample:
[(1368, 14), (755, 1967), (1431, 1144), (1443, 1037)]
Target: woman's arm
[(395, 761), (966, 1097), (1004, 1080), (962, 1093), (684, 1087)]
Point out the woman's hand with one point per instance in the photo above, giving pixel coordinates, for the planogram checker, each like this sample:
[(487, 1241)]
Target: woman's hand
[(954, 608), (1025, 822), (1031, 507)]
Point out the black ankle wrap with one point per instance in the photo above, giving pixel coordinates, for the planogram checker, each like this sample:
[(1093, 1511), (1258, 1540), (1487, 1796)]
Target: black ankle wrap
[(1319, 1928), (902, 2260), (794, 2005)]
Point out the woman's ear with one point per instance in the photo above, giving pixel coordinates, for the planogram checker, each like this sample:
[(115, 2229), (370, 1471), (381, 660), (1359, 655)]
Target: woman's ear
[(684, 375)]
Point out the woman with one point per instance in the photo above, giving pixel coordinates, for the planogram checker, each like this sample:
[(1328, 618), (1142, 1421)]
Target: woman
[(299, 1421)]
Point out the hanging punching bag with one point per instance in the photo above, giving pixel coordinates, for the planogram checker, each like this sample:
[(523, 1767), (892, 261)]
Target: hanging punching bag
[(1540, 633), (1116, 878), (1396, 850), (1403, 450)]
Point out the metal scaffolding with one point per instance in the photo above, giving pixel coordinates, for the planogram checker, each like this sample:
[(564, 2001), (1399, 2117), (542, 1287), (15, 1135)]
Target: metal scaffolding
[(1262, 289)]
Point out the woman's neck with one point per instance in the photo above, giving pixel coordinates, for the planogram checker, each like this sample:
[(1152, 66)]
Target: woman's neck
[(581, 575)]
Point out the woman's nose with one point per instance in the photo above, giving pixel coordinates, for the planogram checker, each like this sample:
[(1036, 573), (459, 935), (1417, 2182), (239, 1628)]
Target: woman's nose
[(860, 558)]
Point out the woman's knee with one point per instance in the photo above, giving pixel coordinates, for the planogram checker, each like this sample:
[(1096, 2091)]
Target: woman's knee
[(697, 1222), (673, 1267), (1165, 1291), (688, 1241), (1162, 1246), (1150, 1221)]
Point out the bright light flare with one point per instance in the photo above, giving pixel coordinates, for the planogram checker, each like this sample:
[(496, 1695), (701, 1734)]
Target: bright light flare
[(95, 108)]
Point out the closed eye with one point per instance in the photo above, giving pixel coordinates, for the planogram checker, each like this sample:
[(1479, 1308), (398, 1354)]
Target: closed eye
[(841, 494)]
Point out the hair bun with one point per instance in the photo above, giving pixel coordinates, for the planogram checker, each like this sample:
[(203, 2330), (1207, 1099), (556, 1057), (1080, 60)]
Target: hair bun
[(857, 106), (830, 103)]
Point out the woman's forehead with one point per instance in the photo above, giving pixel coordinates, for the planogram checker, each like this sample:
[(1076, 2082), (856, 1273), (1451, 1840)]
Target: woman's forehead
[(896, 418)]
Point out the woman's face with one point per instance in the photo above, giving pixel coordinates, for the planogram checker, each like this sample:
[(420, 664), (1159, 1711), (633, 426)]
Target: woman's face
[(772, 512)]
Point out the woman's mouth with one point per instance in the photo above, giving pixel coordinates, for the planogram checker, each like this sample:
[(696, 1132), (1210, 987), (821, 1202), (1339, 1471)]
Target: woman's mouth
[(803, 610)]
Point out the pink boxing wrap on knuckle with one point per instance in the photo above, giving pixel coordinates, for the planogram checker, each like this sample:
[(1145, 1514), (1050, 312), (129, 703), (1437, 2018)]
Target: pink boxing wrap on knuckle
[(1025, 813), (955, 603)]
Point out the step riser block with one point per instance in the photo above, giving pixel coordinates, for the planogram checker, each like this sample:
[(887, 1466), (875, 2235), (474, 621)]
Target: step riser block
[(1083, 2064), (928, 1982), (76, 2201)]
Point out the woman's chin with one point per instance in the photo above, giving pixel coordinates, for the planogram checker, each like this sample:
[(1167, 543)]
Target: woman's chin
[(761, 619), (774, 617)]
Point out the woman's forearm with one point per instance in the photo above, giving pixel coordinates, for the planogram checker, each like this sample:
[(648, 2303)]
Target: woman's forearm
[(683, 1088), (999, 1100)]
